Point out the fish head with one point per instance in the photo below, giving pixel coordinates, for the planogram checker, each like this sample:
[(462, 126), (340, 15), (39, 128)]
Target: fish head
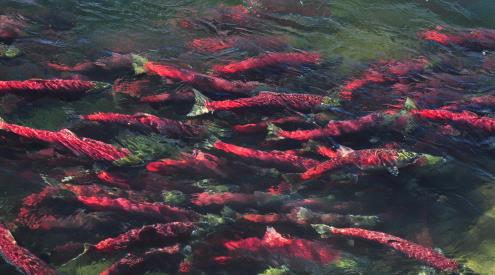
[(331, 101), (99, 86), (429, 160)]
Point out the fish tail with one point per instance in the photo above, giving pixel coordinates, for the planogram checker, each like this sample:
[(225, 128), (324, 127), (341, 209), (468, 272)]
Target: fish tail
[(199, 107), (209, 143), (217, 130), (410, 105)]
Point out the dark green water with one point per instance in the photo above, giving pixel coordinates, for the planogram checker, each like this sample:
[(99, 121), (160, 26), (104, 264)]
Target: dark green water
[(451, 207)]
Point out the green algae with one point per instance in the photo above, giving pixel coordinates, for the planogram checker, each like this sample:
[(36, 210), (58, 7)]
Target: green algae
[(86, 269), (480, 240), (9, 51), (283, 270), (146, 148)]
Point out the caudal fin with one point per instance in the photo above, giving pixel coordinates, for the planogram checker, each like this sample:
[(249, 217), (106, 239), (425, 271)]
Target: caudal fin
[(199, 107), (410, 105), (218, 130)]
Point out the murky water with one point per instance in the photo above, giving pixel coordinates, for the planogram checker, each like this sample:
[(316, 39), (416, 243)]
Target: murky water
[(449, 206)]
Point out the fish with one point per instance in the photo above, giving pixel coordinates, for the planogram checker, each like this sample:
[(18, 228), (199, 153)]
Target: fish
[(275, 59), (243, 42), (303, 8), (9, 51), (412, 250), (475, 104), (390, 120), (304, 216), (264, 100), (202, 81), (21, 258), (51, 87), (198, 162), (167, 97), (116, 63), (222, 19), (157, 211), (213, 44), (35, 200), (164, 126), (478, 39), (93, 149), (273, 244), (335, 128), (112, 179), (263, 126), (382, 73), (274, 159), (36, 212), (230, 198), (11, 27), (134, 264), (154, 234), (372, 159)]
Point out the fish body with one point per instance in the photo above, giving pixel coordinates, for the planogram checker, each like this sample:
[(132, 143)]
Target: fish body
[(371, 159), (90, 148), (465, 119), (264, 100), (21, 258), (114, 64), (275, 159), (473, 39), (196, 163), (410, 249), (145, 209), (201, 81), (269, 60), (274, 244), (55, 87), (169, 127), (9, 51)]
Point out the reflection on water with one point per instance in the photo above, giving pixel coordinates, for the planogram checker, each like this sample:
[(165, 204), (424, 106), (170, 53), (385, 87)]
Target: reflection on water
[(367, 56)]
